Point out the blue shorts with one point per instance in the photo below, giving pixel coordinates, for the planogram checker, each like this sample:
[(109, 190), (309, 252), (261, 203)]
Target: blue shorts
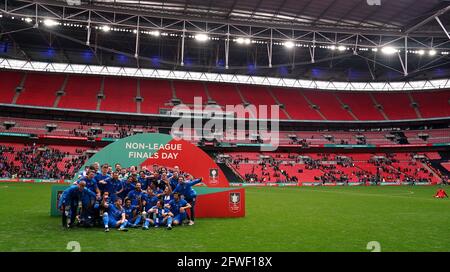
[(179, 217), (112, 222), (160, 221), (133, 219)]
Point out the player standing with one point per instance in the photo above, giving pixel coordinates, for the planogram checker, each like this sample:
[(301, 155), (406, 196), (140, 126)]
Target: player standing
[(68, 202), (184, 187)]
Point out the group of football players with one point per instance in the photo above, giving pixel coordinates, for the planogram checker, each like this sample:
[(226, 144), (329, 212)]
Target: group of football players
[(123, 197)]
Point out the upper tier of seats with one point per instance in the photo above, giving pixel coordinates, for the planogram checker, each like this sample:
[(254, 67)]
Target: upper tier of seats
[(69, 128), (134, 95)]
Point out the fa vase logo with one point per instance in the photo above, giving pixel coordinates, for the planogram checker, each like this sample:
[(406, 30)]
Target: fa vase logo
[(235, 202), (213, 176)]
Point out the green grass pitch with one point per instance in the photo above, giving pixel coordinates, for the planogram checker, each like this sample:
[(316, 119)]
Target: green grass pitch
[(277, 219)]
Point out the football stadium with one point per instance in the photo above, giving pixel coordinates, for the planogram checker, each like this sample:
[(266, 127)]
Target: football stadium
[(224, 126)]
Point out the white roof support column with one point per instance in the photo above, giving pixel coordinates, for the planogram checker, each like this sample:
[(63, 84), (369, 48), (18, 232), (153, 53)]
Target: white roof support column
[(442, 26), (136, 52), (183, 36), (88, 38), (227, 47)]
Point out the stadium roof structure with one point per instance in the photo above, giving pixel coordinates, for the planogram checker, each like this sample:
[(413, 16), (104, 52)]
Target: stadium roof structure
[(330, 40)]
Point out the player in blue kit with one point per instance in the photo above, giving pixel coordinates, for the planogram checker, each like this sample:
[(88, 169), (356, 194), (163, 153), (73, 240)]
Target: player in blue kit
[(68, 202), (149, 199), (102, 179), (167, 195), (128, 186), (114, 216), (184, 187), (158, 192), (161, 216), (117, 186), (173, 180), (178, 208), (90, 181), (132, 214), (136, 195), (143, 180), (105, 199)]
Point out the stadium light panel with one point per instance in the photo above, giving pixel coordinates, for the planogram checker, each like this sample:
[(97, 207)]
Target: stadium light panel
[(50, 22), (155, 33), (106, 28), (243, 41), (388, 50), (432, 52), (28, 20), (201, 37), (421, 52), (289, 44), (341, 48)]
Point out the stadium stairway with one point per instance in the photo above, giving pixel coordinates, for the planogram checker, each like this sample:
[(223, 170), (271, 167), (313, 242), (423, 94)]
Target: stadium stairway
[(172, 88), (432, 171), (60, 92), (229, 172), (437, 164), (138, 95), (345, 107), (205, 87), (378, 107), (240, 94), (313, 106), (21, 84), (100, 94), (278, 103), (415, 106)]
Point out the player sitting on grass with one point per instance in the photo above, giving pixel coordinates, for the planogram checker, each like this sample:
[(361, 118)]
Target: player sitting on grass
[(178, 208), (161, 216), (68, 203), (441, 194), (132, 214), (114, 216), (184, 187)]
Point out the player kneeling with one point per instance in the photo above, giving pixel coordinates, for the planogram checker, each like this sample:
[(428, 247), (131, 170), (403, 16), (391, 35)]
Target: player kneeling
[(178, 207), (114, 215), (161, 216)]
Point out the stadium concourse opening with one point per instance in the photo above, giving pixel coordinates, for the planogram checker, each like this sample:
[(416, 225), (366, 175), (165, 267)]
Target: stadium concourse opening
[(283, 125)]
